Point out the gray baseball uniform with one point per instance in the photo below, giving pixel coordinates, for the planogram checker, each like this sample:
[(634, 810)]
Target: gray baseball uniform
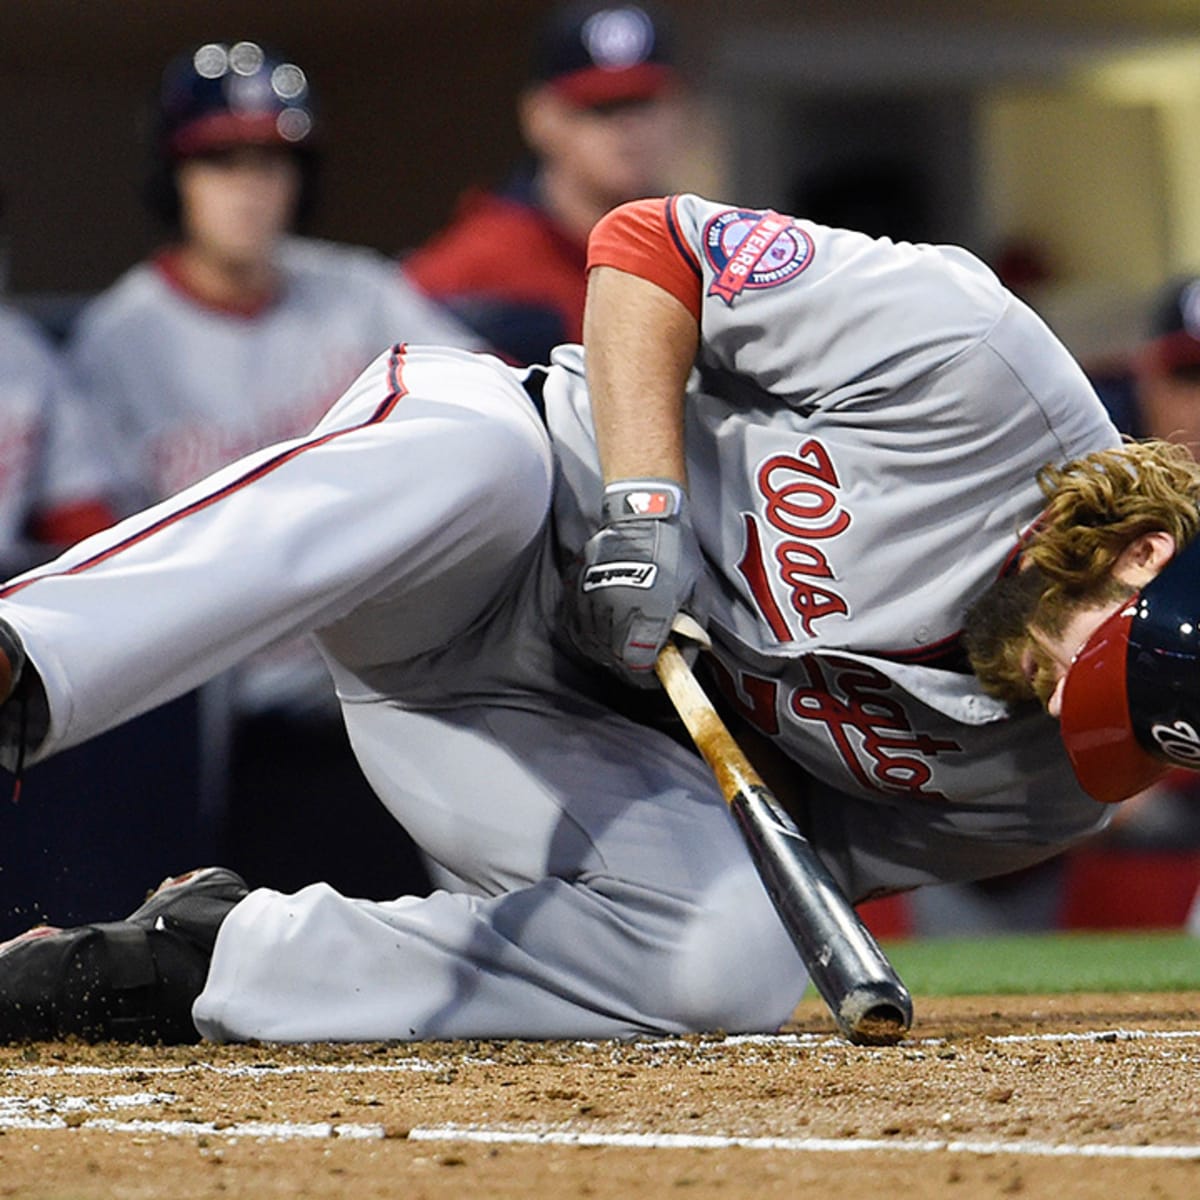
[(191, 387), (863, 428)]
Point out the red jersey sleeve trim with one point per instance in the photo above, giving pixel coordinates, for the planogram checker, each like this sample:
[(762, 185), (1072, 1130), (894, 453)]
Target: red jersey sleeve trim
[(643, 237)]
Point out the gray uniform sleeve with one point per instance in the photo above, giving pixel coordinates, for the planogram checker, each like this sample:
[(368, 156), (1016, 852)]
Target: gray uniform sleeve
[(815, 315)]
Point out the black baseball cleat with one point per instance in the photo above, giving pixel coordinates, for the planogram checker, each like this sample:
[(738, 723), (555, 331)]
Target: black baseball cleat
[(127, 981), (192, 905)]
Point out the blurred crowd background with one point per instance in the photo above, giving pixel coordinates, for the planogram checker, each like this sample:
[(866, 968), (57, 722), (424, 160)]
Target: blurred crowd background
[(449, 161)]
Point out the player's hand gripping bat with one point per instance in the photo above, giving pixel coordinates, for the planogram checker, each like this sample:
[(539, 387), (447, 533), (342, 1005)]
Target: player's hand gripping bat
[(868, 1001)]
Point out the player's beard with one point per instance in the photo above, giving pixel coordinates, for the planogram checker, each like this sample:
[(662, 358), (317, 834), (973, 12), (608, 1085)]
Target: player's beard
[(1009, 662)]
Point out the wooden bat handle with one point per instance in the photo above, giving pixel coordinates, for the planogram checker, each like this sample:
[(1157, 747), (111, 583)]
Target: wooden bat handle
[(724, 756)]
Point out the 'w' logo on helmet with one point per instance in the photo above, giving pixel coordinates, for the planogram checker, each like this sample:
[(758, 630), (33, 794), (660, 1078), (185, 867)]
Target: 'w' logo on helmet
[(1179, 741)]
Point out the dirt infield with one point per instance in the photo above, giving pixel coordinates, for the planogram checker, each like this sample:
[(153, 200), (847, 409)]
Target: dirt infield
[(1057, 1096)]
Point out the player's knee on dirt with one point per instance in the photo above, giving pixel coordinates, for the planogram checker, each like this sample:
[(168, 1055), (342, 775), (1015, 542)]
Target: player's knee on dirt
[(697, 960)]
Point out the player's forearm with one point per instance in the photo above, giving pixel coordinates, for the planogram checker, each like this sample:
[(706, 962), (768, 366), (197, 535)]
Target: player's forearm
[(641, 343)]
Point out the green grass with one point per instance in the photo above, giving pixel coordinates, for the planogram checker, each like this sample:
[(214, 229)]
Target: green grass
[(1027, 964)]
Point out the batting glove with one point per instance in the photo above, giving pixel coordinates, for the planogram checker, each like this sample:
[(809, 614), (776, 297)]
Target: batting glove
[(638, 571)]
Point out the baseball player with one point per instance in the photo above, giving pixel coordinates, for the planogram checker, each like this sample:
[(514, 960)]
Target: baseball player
[(56, 485), (237, 334), (599, 117), (820, 445), (234, 336)]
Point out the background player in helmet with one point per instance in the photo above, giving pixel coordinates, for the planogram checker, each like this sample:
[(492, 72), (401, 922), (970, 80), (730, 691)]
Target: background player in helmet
[(1154, 390), (235, 335), (823, 445), (1166, 369), (599, 116)]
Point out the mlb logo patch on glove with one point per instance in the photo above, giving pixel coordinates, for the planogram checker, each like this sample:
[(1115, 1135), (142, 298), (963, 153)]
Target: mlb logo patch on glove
[(641, 502)]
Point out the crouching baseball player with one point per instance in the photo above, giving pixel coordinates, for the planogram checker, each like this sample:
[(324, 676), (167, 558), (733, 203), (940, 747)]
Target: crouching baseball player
[(822, 446)]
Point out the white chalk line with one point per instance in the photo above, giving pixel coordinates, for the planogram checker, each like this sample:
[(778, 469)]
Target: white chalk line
[(686, 1141), (242, 1070), (284, 1131), (319, 1130), (1108, 1035), (822, 1039), (19, 1106)]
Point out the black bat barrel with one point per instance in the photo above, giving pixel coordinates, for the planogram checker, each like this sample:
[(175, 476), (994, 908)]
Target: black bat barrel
[(868, 1001)]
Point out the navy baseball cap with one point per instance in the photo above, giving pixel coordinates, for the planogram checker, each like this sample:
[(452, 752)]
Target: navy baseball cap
[(597, 54), (1131, 699), (1175, 334)]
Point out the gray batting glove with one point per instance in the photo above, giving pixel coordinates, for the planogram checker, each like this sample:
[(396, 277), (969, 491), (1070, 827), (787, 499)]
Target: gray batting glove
[(638, 571)]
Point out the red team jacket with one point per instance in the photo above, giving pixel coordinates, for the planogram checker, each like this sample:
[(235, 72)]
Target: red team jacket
[(506, 269)]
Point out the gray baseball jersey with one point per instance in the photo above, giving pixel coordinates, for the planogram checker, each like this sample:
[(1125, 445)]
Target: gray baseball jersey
[(865, 424), (593, 883), (190, 387)]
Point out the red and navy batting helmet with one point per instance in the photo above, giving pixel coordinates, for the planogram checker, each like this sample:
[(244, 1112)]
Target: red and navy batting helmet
[(1131, 699), (221, 95)]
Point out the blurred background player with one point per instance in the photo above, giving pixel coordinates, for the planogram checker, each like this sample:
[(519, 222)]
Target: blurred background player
[(236, 335), (599, 116), (1166, 371), (54, 475)]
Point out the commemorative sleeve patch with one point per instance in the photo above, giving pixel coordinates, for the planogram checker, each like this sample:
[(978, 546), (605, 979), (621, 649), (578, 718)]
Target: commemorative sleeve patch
[(753, 250)]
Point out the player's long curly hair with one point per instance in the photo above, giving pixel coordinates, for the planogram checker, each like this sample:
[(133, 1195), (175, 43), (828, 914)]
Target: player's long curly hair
[(1095, 507)]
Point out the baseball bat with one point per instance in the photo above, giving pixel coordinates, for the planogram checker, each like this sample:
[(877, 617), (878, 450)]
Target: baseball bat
[(869, 1002)]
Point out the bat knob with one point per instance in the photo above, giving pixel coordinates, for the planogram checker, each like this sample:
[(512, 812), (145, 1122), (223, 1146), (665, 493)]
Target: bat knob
[(876, 1014)]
